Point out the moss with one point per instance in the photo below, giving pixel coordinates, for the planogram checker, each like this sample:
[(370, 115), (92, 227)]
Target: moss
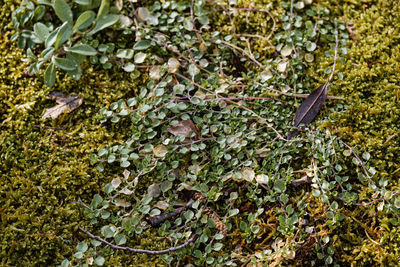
[(370, 122), (44, 165)]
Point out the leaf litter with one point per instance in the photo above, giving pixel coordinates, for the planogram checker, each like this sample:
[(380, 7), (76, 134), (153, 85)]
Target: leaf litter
[(65, 104)]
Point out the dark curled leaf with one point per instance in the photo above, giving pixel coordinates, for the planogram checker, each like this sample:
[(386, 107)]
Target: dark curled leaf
[(309, 108), (238, 65)]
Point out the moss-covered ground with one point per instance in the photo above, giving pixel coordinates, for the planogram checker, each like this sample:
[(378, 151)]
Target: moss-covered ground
[(44, 166)]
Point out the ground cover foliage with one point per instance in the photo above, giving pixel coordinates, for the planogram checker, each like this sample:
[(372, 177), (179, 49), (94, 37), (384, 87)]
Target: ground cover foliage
[(196, 108)]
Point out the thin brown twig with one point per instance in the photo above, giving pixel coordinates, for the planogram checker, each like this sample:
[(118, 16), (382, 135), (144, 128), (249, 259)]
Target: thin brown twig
[(376, 200), (241, 51), (299, 95), (151, 252), (390, 138), (156, 220), (359, 160), (335, 57), (187, 99)]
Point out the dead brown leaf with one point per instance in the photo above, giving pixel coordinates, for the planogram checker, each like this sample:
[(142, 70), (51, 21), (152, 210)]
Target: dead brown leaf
[(65, 104), (119, 4), (183, 128), (310, 107)]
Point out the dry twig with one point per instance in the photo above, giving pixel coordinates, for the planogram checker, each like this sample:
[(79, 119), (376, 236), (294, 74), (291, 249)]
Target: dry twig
[(360, 161), (151, 252), (156, 220)]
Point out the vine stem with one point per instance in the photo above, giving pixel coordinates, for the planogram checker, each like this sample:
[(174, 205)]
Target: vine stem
[(360, 161), (335, 57), (151, 252), (376, 200)]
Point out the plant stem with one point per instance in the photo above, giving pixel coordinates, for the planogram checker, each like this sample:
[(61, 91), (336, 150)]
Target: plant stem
[(151, 252)]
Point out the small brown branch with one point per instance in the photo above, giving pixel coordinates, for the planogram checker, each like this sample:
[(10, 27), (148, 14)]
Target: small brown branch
[(303, 180), (151, 252), (376, 200), (299, 95), (359, 160), (156, 220), (187, 99), (390, 138), (335, 57)]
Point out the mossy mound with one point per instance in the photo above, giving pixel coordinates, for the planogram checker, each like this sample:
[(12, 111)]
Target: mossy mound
[(370, 122), (44, 165)]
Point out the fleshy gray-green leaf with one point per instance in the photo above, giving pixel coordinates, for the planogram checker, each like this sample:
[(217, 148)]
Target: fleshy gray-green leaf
[(47, 53), (62, 35), (44, 2), (76, 73), (51, 39), (63, 11), (50, 75), (104, 9), (83, 49), (105, 22), (84, 20), (83, 2), (64, 63), (41, 31)]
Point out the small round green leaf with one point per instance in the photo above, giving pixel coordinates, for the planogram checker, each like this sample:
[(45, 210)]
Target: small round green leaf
[(64, 263), (82, 247), (99, 261), (129, 67), (142, 45)]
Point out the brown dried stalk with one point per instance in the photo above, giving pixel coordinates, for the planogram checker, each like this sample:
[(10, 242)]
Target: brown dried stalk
[(151, 252), (156, 220), (303, 180), (212, 214), (359, 160)]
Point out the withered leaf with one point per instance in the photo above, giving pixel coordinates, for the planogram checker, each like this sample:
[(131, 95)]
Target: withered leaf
[(309, 108), (65, 104), (183, 128)]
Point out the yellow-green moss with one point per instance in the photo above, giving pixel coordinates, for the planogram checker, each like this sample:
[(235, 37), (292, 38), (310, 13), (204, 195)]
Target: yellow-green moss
[(44, 165), (371, 121)]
